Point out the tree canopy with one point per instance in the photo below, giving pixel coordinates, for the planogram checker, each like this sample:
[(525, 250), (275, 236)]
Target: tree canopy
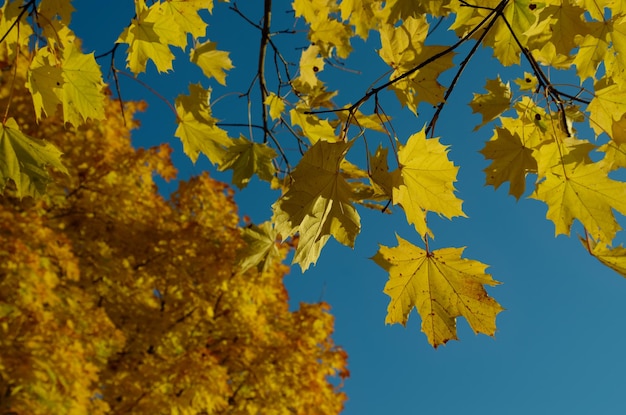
[(114, 299), (331, 155)]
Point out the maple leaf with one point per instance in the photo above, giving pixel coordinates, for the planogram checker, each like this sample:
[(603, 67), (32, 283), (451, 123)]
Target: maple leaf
[(361, 14), (185, 15), (52, 8), (511, 161), (147, 38), (24, 159), (614, 258), (213, 62), (521, 17), (441, 285), (75, 83), (276, 104), (246, 158), (196, 126), (261, 249), (493, 103), (607, 106), (381, 179), (45, 82), (310, 64), (313, 128), (372, 121), (82, 95), (14, 40), (317, 204), (424, 181), (582, 191)]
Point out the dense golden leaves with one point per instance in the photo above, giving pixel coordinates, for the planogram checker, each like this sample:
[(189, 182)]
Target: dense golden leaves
[(561, 123), (441, 286), (116, 300)]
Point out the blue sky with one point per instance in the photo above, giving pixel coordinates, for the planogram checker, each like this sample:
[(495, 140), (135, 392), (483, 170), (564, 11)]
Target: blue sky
[(560, 341)]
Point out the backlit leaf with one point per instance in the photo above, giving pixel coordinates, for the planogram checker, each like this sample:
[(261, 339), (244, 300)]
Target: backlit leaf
[(442, 286), (246, 158), (424, 181), (23, 160), (213, 62), (196, 126), (317, 204)]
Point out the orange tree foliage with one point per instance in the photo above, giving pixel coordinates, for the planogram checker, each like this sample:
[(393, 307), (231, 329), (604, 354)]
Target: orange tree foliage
[(558, 120), (116, 300)]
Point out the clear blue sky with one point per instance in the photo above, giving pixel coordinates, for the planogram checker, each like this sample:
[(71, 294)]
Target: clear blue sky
[(560, 343)]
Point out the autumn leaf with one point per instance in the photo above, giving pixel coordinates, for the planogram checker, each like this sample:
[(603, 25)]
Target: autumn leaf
[(614, 258), (493, 103), (275, 104), (607, 107), (585, 192), (317, 204), (197, 128), (313, 127), (74, 84), (147, 37), (24, 159), (82, 96), (381, 179), (213, 62), (424, 181), (441, 285), (246, 158), (511, 161), (310, 64), (261, 249)]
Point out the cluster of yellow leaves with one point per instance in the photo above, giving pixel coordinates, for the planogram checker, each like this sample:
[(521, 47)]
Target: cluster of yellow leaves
[(116, 300), (535, 134)]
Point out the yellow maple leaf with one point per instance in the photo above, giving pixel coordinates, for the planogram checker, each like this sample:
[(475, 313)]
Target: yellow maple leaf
[(82, 95), (361, 14), (23, 160), (45, 82), (527, 83), (74, 82), (614, 258), (511, 161), (582, 191), (49, 9), (14, 39), (607, 106), (261, 249), (247, 158), (147, 37), (381, 179), (310, 64), (442, 286), (276, 105), (424, 181), (318, 203), (373, 121), (592, 49), (313, 128), (213, 62), (196, 126), (493, 103), (185, 14)]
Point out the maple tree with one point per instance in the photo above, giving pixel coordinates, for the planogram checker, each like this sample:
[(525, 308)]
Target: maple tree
[(116, 300), (569, 59)]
